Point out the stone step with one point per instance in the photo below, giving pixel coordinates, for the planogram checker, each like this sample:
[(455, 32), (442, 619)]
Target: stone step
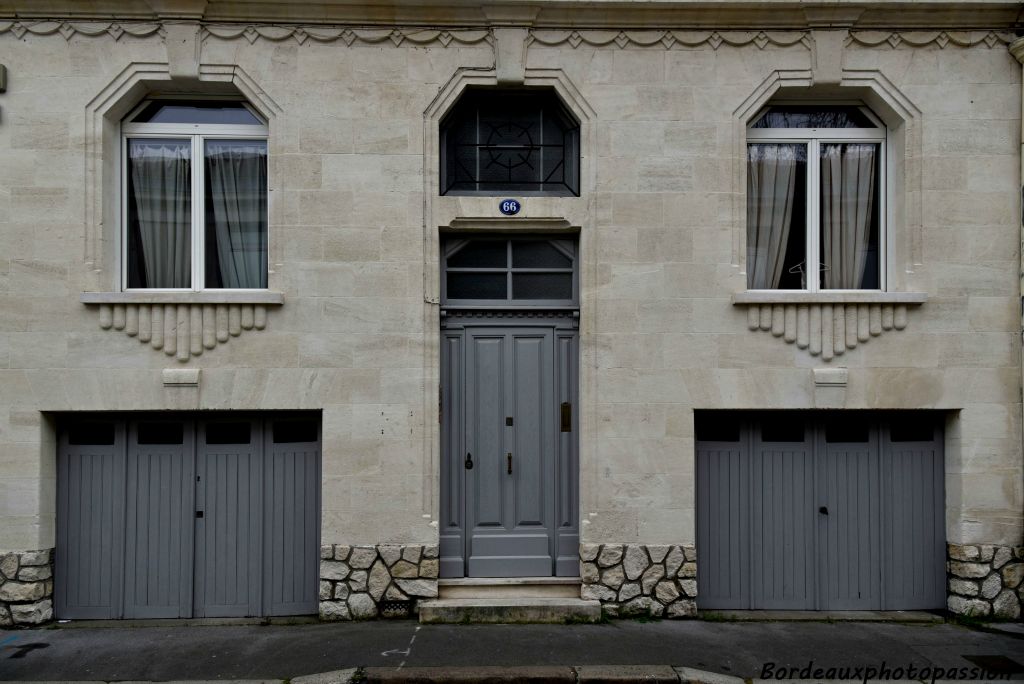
[(509, 587), (505, 610)]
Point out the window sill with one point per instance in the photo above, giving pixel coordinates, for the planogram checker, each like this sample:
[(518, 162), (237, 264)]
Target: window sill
[(783, 297), (209, 297)]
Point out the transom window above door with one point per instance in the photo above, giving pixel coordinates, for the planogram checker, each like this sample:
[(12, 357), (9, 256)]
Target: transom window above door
[(503, 271), (510, 141), (816, 199), (194, 196)]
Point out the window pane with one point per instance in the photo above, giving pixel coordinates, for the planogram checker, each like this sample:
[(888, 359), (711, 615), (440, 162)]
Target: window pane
[(783, 428), (847, 430), (849, 216), (538, 254), (717, 427), (481, 254), (510, 140), (542, 286), (912, 428), (198, 112), (236, 214), (477, 286), (159, 213), (776, 216), (91, 433), (813, 116), (295, 431), (161, 433), (228, 433)]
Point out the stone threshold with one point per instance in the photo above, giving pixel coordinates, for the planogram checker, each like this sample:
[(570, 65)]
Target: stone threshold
[(505, 581), (912, 616)]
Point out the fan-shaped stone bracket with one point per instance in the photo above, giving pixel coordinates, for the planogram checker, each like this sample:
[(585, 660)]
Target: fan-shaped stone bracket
[(183, 326), (827, 324)]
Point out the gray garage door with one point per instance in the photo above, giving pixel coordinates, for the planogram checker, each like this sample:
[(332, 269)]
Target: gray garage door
[(820, 511), (178, 516)]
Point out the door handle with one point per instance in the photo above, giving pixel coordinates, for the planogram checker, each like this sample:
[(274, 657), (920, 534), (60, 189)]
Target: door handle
[(469, 461), (823, 510), (509, 455)]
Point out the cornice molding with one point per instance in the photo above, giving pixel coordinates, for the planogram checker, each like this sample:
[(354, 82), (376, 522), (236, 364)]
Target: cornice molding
[(988, 15), (667, 39)]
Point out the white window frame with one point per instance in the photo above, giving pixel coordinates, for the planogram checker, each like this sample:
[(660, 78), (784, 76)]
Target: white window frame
[(197, 134), (814, 137)]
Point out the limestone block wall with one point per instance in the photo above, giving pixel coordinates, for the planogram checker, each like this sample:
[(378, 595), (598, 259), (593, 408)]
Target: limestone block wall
[(354, 222), (26, 588)]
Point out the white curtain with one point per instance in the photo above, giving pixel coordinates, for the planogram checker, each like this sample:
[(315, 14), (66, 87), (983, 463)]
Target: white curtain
[(161, 192), (847, 212), (236, 178), (771, 185)]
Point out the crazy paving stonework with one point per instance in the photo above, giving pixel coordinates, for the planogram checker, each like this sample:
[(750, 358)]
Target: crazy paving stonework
[(985, 580), (26, 587), (356, 580), (633, 579)]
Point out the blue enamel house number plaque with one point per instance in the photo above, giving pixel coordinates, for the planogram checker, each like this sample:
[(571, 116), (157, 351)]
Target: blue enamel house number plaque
[(509, 207)]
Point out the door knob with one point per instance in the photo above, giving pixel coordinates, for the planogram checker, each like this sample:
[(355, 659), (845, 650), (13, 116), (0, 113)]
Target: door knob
[(509, 455), (469, 461)]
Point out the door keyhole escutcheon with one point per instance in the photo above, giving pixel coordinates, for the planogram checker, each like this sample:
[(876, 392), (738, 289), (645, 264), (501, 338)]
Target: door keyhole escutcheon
[(823, 510), (509, 455), (469, 461)]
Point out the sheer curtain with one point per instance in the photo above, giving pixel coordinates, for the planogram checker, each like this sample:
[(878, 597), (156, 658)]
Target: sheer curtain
[(847, 212), (236, 216), (160, 213), (771, 185)]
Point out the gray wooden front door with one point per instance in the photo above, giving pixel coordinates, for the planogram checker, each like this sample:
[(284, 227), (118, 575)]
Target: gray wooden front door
[(177, 516), (820, 511), (509, 502)]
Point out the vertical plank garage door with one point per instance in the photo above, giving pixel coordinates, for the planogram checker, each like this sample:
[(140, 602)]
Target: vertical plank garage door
[(820, 511), (184, 515)]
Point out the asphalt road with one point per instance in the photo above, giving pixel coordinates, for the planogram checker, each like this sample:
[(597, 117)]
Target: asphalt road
[(285, 651)]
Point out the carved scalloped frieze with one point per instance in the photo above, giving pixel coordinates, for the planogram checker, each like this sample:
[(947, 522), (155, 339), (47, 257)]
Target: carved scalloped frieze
[(69, 29), (415, 37), (918, 39), (827, 330), (183, 330), (668, 39)]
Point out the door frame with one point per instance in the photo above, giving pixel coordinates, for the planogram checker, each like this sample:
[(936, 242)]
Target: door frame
[(565, 527)]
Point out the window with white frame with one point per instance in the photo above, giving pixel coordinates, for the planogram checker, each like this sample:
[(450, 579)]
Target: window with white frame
[(194, 196), (816, 199)]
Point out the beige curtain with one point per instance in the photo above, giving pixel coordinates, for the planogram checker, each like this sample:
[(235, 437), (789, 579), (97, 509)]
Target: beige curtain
[(161, 193), (847, 211), (771, 185)]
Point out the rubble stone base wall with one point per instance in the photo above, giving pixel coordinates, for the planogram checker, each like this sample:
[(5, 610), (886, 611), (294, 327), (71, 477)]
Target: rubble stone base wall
[(636, 579), (985, 580), (26, 587), (355, 580)]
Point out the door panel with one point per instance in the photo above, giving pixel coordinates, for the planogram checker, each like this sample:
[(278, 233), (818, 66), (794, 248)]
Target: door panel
[(158, 536), (851, 571), (723, 524), (452, 538), (90, 522), (913, 482), (291, 540), (228, 540), (567, 500), (510, 427), (782, 519)]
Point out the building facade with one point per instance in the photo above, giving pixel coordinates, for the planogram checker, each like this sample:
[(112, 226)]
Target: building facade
[(319, 308)]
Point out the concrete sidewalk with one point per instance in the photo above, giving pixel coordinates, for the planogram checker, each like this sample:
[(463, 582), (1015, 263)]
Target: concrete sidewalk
[(278, 652)]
